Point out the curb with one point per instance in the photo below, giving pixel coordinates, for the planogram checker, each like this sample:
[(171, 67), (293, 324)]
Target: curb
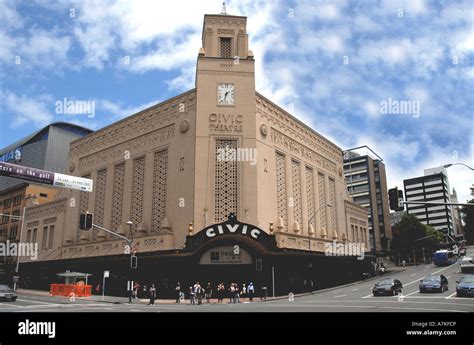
[(389, 273)]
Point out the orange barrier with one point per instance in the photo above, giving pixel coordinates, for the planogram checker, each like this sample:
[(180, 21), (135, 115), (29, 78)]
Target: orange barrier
[(70, 290)]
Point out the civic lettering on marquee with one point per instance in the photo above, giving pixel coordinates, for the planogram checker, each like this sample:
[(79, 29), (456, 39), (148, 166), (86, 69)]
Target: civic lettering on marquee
[(225, 123), (237, 228)]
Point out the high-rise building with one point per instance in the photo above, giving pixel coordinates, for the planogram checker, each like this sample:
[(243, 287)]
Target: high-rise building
[(432, 187), (366, 181)]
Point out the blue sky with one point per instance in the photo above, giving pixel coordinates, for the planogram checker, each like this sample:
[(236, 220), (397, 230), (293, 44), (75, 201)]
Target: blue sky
[(330, 63)]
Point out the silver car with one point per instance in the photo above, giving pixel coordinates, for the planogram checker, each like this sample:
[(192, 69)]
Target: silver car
[(7, 294)]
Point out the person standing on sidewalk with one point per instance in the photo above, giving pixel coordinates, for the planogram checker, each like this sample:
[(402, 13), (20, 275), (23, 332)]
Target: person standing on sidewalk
[(208, 292), (177, 290), (152, 294), (250, 291), (244, 292), (192, 299)]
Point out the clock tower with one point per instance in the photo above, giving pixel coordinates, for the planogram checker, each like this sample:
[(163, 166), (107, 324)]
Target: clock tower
[(225, 123)]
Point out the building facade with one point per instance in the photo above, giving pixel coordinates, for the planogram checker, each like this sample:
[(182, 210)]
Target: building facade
[(219, 183), (366, 180), (432, 187)]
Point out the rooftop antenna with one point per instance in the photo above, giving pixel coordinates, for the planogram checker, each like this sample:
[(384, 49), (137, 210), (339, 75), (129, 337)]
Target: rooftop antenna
[(223, 9)]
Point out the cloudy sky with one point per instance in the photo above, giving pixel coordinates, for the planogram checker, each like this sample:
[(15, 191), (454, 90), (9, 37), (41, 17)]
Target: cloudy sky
[(333, 64)]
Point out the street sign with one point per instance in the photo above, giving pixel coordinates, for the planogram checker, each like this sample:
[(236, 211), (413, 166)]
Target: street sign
[(106, 274)]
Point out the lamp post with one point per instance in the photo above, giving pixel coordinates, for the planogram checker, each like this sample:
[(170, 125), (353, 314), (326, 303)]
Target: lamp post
[(130, 225), (23, 219), (451, 164), (311, 219)]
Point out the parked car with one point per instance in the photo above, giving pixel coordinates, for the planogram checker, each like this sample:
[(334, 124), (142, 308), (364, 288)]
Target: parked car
[(387, 286), (437, 283), (7, 294), (467, 264), (465, 286)]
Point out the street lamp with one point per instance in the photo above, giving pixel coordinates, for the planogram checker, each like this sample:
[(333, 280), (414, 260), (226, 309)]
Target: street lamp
[(451, 164), (130, 224), (311, 219), (23, 219)]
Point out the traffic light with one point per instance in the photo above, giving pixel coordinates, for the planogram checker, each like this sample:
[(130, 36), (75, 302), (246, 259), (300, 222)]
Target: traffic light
[(395, 197), (133, 261), (258, 265), (85, 221)]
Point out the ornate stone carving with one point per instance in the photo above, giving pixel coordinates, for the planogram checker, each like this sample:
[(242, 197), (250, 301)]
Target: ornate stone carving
[(263, 129), (295, 147), (184, 126), (136, 145)]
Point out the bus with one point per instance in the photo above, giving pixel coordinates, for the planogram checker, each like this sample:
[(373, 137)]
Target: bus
[(444, 257)]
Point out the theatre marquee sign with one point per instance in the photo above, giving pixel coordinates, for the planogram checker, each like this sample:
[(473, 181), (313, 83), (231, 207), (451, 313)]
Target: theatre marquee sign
[(231, 227)]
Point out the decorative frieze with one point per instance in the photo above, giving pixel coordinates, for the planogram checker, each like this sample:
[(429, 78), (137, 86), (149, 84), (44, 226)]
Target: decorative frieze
[(306, 153), (136, 145)]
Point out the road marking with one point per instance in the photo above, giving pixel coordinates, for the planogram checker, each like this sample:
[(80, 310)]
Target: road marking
[(411, 293), (339, 296), (450, 295), (412, 275), (368, 296), (365, 307), (354, 289)]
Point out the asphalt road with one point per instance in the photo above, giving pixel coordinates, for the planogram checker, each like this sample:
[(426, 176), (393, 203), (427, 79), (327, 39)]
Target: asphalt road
[(352, 298)]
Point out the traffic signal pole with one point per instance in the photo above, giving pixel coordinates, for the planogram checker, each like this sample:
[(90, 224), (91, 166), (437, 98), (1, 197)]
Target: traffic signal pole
[(129, 243)]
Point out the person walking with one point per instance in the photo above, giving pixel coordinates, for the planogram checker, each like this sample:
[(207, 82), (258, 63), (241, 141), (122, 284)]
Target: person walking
[(192, 298), (220, 292), (232, 293), (250, 291), (177, 290), (244, 292), (208, 292), (152, 292), (198, 292)]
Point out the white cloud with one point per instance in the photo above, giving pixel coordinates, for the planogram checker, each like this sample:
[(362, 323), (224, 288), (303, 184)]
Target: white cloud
[(26, 110)]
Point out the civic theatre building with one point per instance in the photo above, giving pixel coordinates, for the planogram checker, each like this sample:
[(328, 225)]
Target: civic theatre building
[(220, 184)]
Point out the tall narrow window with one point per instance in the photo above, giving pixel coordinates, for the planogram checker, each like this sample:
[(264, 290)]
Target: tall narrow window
[(138, 178), (310, 195), (117, 192), (45, 236), (226, 177), (51, 236), (322, 202), (99, 200), (296, 179), (160, 186), (282, 201), (226, 48), (83, 207)]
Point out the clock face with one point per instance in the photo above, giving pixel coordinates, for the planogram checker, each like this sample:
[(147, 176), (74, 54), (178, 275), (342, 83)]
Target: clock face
[(226, 94)]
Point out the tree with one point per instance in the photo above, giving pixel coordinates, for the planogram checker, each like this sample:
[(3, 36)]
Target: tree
[(410, 234), (467, 216)]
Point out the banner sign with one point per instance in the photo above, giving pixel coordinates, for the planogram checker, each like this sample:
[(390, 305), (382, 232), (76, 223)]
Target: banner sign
[(45, 177)]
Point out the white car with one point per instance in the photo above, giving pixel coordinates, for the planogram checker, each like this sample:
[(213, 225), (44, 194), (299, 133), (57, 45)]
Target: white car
[(467, 264)]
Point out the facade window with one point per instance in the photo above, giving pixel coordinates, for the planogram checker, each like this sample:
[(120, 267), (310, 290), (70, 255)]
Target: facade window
[(226, 52), (13, 231), (226, 182), (7, 203), (281, 187), (43, 195), (83, 207), (3, 231), (51, 236), (117, 192), (99, 200), (16, 216), (6, 218), (138, 179), (45, 238), (28, 236), (296, 182), (34, 235), (160, 189)]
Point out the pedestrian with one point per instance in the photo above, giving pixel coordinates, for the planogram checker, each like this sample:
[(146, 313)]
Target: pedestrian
[(192, 299), (232, 293), (244, 291), (237, 294), (198, 292), (136, 288), (152, 292), (208, 292), (220, 292), (177, 290), (250, 291)]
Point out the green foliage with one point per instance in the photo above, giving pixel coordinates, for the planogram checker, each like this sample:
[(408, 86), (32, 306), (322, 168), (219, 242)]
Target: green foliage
[(410, 234)]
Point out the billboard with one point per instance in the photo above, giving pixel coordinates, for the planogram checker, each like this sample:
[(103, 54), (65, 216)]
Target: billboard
[(45, 177)]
